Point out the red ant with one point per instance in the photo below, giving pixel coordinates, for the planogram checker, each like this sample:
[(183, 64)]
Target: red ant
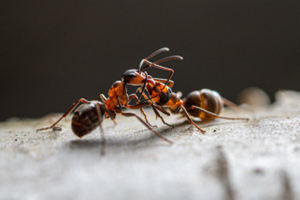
[(136, 77), (90, 115), (205, 104)]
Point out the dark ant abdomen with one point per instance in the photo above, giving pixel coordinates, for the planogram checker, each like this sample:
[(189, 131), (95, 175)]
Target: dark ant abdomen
[(206, 99), (85, 120)]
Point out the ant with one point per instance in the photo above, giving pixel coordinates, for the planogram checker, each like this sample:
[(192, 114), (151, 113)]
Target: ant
[(90, 115), (205, 104), (138, 77)]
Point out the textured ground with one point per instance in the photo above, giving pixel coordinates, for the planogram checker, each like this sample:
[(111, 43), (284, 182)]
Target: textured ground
[(259, 159)]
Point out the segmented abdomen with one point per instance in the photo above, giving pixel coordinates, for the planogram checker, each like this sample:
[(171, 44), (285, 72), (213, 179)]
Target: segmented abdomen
[(85, 120)]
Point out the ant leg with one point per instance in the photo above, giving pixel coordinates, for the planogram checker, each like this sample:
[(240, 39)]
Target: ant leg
[(64, 115), (142, 110), (137, 106), (217, 116), (190, 120), (140, 119), (103, 142), (158, 115), (109, 113), (156, 107)]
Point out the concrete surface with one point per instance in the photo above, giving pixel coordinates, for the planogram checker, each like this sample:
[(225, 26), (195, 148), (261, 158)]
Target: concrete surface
[(259, 159)]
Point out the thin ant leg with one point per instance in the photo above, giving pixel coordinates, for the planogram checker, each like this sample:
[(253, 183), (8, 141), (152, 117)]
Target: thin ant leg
[(217, 116), (155, 108), (103, 142), (142, 110), (66, 113), (161, 110), (140, 119), (103, 107), (152, 55), (145, 96), (158, 115), (139, 105), (190, 120), (153, 103)]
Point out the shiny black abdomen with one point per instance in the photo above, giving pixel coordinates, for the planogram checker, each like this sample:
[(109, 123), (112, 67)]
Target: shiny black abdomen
[(85, 119)]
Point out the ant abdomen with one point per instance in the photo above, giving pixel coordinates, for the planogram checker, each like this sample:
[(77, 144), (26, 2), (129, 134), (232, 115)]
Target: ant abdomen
[(85, 119), (207, 99)]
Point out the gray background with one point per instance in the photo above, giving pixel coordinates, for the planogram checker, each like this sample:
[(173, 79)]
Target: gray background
[(52, 53)]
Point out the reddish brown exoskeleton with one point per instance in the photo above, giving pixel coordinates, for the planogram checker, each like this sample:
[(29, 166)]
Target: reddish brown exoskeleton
[(205, 104)]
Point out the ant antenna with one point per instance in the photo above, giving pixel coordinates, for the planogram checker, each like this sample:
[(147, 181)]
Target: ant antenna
[(152, 55), (175, 57)]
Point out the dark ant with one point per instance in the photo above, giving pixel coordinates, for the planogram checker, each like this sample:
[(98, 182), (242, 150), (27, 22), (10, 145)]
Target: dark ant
[(90, 115), (205, 104)]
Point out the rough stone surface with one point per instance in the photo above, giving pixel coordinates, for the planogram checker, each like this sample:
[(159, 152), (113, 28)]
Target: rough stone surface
[(259, 159)]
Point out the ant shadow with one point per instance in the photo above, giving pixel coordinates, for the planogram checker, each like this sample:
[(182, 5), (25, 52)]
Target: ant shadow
[(207, 123), (146, 140), (142, 142)]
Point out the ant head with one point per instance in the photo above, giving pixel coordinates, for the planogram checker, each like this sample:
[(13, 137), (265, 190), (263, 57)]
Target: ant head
[(134, 77)]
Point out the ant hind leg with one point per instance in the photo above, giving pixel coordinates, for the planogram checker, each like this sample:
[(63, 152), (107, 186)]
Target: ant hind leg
[(218, 116), (65, 114), (190, 120)]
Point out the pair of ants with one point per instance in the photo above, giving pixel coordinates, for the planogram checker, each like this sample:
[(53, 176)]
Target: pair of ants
[(204, 104)]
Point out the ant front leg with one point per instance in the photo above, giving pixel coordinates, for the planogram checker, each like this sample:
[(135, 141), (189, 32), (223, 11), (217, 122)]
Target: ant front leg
[(142, 110), (64, 115)]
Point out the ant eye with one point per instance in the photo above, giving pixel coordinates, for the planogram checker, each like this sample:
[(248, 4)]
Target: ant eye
[(132, 75)]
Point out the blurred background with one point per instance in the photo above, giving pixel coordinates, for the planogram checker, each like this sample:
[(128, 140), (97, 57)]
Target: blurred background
[(55, 52)]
